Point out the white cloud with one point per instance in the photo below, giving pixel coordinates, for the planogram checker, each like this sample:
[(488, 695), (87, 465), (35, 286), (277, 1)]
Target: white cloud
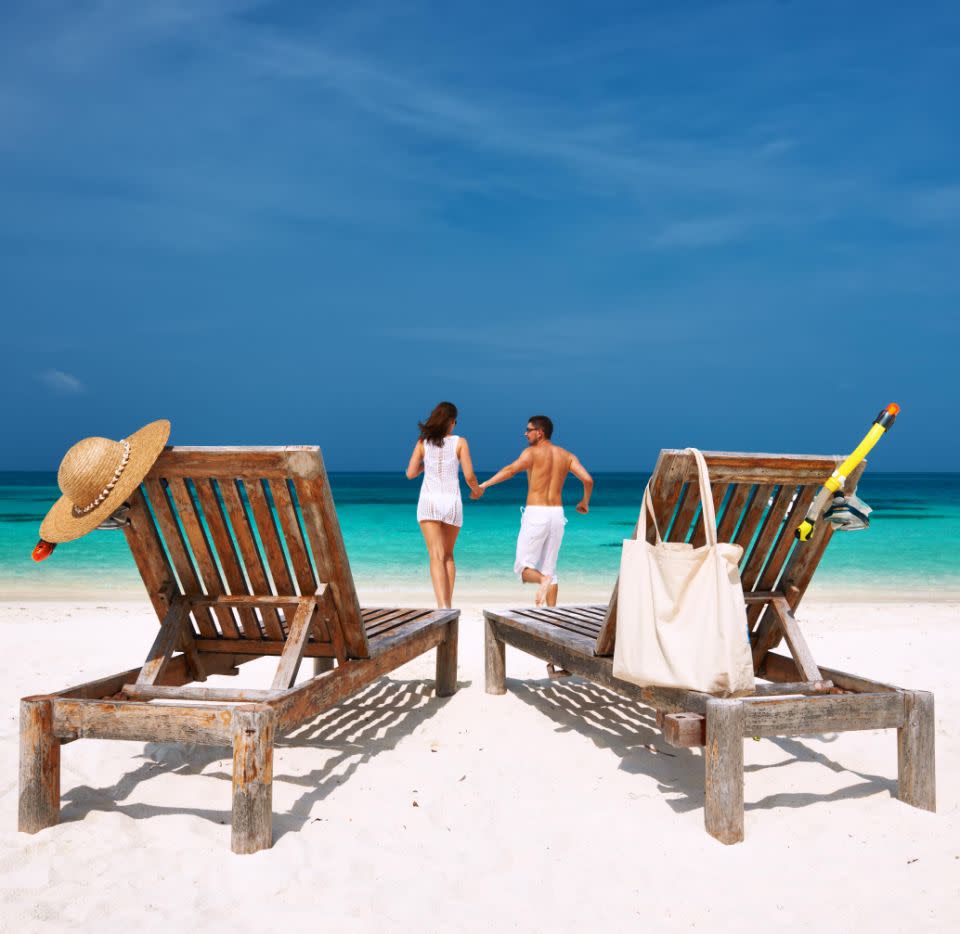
[(61, 382)]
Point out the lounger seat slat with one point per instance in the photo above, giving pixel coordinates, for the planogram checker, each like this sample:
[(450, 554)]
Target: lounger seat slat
[(416, 620), (580, 614), (534, 623), (381, 627), (386, 617), (372, 614), (551, 617)]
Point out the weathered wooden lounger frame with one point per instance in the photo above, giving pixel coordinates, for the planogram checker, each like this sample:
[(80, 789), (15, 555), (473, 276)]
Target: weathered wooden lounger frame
[(241, 553), (802, 698)]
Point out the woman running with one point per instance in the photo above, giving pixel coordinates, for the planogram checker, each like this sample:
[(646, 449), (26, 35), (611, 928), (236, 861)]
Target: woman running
[(438, 455)]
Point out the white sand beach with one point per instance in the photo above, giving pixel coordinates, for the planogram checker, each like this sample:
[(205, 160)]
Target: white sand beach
[(555, 807)]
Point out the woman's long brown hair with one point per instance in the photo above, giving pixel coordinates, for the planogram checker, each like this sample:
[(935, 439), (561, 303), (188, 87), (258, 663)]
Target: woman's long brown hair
[(435, 428)]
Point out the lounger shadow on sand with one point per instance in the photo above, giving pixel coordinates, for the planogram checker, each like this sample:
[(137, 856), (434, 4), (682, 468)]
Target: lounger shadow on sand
[(759, 500), (345, 739), (613, 722)]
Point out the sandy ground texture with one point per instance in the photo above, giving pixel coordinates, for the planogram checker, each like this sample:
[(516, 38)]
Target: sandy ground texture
[(555, 807)]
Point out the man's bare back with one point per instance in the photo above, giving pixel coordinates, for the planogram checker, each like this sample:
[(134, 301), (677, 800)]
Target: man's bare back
[(547, 466)]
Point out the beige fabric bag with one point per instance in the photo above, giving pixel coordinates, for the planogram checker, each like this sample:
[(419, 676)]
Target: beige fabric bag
[(681, 617)]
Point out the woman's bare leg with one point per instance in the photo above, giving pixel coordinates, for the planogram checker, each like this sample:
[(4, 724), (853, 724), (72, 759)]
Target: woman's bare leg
[(450, 533), (436, 549)]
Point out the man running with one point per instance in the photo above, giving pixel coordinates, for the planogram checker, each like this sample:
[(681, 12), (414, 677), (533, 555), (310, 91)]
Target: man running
[(541, 528)]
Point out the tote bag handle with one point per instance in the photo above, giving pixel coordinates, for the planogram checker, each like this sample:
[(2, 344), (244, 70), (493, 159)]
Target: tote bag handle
[(706, 498), (642, 521), (708, 513)]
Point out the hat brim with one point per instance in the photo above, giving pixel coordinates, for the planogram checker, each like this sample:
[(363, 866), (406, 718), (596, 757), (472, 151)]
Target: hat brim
[(61, 525)]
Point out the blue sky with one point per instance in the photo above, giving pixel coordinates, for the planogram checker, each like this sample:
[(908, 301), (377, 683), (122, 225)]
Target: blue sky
[(733, 225)]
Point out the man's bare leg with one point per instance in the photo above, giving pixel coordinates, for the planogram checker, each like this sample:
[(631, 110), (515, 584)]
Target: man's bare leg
[(545, 591), (533, 576)]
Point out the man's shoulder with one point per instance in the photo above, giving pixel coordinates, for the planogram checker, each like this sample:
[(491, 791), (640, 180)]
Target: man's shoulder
[(563, 452)]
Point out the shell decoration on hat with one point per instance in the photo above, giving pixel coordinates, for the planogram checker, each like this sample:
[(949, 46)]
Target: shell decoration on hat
[(96, 478)]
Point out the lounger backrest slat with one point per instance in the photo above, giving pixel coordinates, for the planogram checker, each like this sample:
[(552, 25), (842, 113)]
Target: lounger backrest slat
[(168, 529), (296, 548), (266, 529), (769, 575), (225, 549), (202, 552), (149, 555), (678, 529), (720, 500), (759, 500), (249, 556), (213, 523)]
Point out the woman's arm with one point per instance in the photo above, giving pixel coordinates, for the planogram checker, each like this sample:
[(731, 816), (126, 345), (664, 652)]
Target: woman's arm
[(415, 467), (463, 452)]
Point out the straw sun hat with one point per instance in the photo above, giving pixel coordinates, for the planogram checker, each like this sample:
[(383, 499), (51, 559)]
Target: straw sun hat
[(97, 476)]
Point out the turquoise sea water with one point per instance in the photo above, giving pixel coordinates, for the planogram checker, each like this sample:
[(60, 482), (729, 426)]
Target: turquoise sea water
[(911, 549)]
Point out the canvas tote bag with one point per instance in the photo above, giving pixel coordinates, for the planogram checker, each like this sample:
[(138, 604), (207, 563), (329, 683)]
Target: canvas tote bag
[(681, 617)]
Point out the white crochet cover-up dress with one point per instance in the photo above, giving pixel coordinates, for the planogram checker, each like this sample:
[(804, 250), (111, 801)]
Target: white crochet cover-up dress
[(440, 491)]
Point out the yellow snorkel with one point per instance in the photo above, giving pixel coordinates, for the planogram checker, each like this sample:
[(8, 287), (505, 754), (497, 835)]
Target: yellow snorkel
[(881, 424)]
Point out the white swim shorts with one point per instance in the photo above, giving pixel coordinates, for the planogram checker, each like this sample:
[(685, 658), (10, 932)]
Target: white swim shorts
[(538, 544)]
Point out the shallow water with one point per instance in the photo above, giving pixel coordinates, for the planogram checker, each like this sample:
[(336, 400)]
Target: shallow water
[(912, 547)]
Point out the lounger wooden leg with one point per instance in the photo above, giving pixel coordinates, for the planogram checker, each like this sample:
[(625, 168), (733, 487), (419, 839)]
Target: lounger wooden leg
[(253, 729), (723, 759), (496, 660), (321, 664), (447, 662), (39, 766), (916, 767)]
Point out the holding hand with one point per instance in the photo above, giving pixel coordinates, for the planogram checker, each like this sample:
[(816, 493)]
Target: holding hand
[(477, 493), (583, 507)]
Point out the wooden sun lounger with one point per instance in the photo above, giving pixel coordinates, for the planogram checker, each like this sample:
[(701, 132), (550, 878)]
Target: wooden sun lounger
[(241, 554), (759, 499)]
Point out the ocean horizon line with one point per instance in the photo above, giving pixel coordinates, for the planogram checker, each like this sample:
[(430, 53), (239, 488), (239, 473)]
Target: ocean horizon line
[(52, 474)]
